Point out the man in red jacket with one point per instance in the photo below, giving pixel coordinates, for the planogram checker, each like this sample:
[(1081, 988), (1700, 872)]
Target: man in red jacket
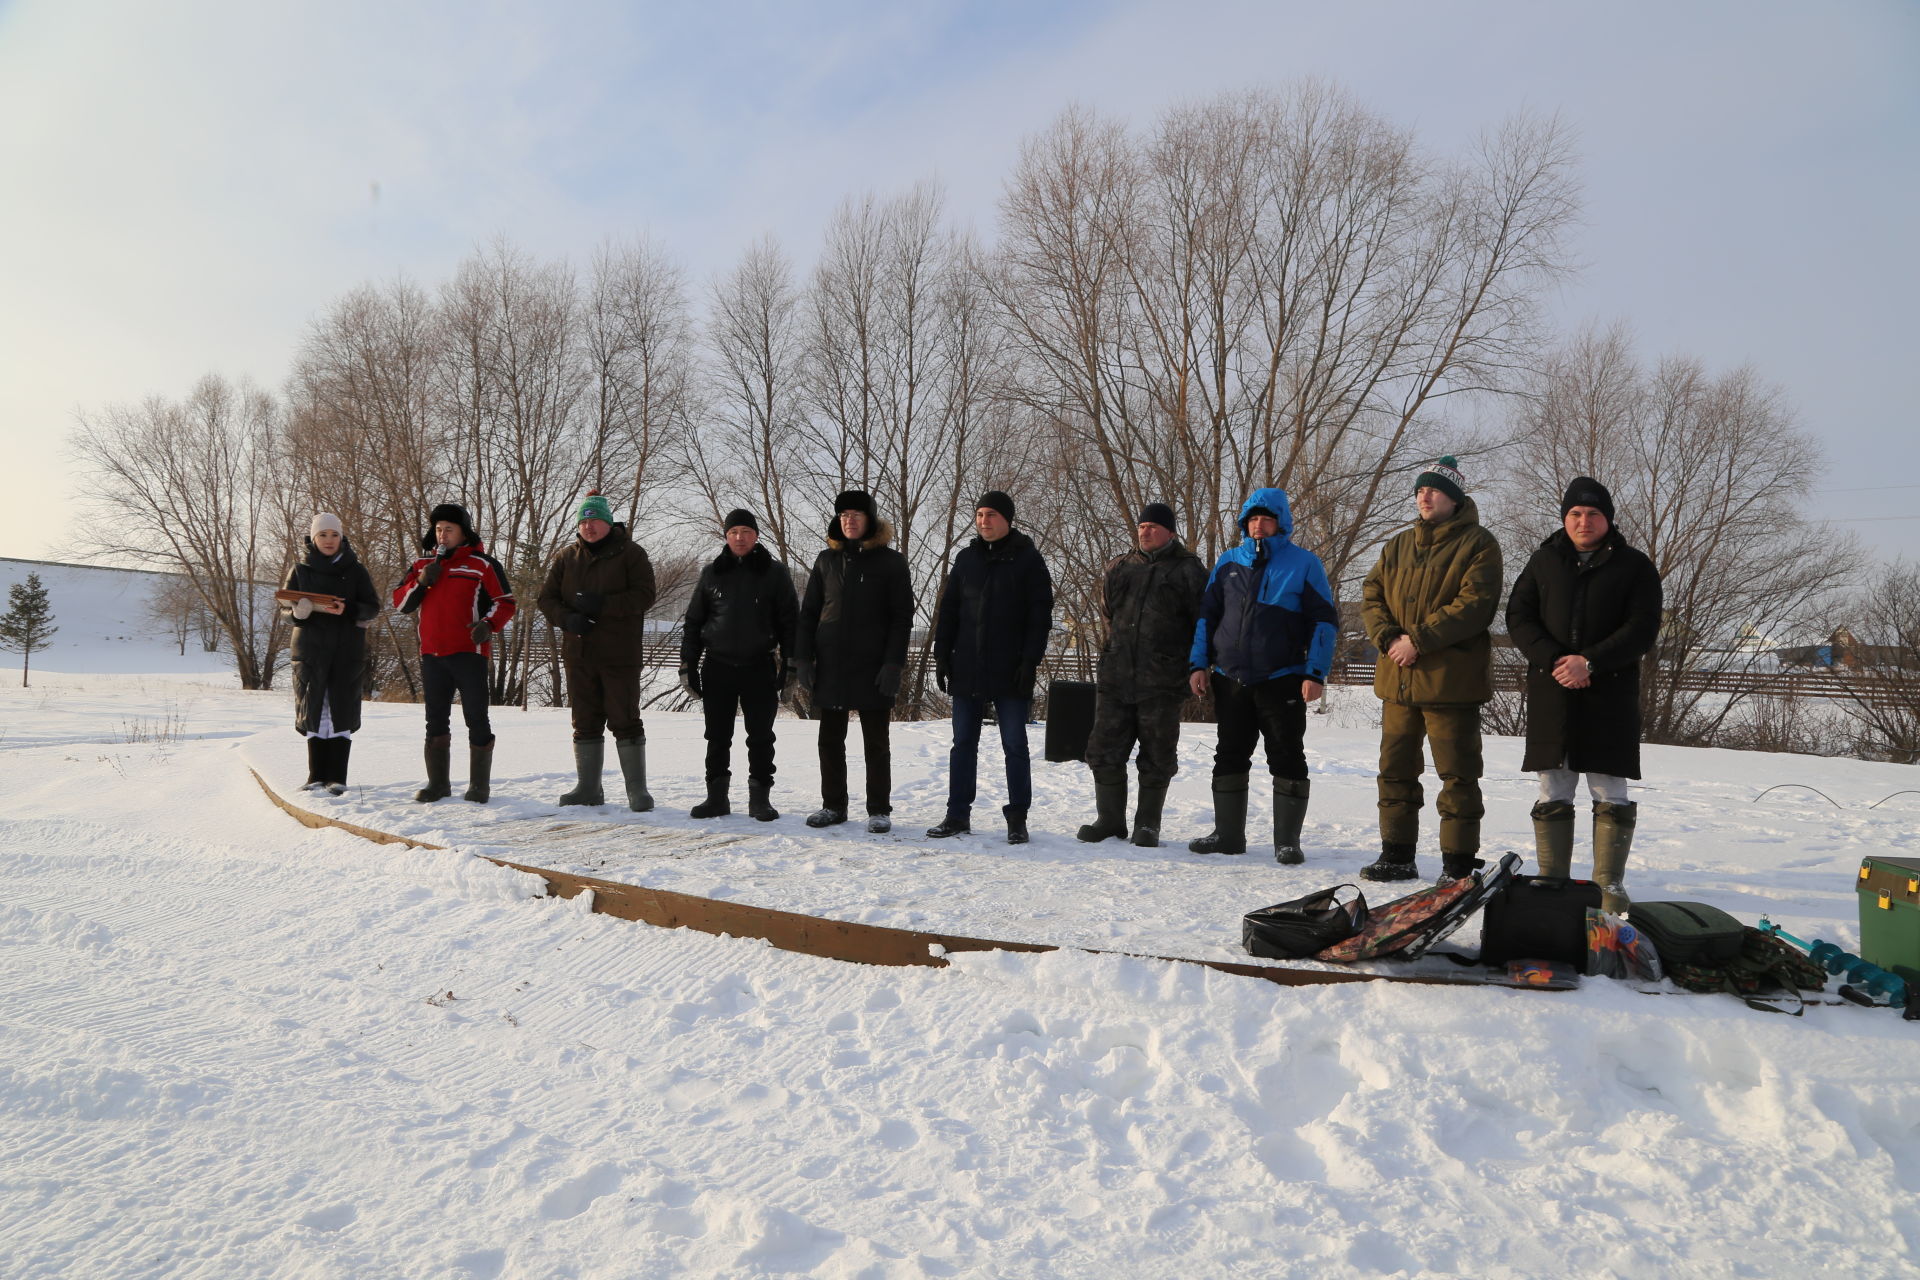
[(463, 600)]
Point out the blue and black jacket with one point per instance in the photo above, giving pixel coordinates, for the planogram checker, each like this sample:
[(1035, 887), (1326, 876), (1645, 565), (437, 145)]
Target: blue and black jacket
[(1268, 611)]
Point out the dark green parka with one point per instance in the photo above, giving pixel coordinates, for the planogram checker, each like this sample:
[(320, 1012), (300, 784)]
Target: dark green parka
[(1152, 600), (616, 579), (1439, 583)]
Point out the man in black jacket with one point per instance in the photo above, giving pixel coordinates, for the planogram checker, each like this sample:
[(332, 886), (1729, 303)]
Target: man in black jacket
[(995, 612), (737, 652), (1585, 611), (1151, 598), (851, 650)]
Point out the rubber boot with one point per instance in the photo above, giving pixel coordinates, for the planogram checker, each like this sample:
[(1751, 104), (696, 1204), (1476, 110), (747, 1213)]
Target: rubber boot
[(1229, 834), (1109, 807), (479, 773), (339, 749), (760, 802), (589, 758), (1612, 841), (715, 805), (1395, 863), (317, 754), (1289, 815), (1146, 815), (439, 764), (633, 768), (1016, 824), (1553, 837), (1457, 866)]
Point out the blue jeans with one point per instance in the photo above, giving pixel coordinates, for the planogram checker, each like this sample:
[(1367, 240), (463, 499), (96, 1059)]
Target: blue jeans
[(963, 765)]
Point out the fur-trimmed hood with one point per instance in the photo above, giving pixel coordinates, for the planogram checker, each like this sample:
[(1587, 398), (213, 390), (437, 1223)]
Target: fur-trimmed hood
[(879, 535)]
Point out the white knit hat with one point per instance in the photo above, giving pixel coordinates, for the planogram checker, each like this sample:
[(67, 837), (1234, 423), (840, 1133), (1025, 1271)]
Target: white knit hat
[(323, 522)]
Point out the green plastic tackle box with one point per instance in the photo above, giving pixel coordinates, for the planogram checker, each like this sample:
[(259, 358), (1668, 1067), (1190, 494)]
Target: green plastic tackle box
[(1889, 890)]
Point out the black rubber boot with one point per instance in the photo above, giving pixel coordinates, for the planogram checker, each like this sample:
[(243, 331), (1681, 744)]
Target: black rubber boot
[(1016, 824), (317, 754), (1229, 834), (1553, 837), (338, 752), (760, 802), (715, 805), (479, 773), (1109, 807), (1146, 815), (439, 764), (589, 758), (1289, 815), (1396, 863), (633, 769), (1457, 866)]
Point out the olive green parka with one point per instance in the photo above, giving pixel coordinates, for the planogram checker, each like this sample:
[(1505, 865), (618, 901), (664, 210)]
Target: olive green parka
[(1437, 582)]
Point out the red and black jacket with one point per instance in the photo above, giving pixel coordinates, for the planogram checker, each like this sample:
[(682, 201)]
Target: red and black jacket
[(472, 587)]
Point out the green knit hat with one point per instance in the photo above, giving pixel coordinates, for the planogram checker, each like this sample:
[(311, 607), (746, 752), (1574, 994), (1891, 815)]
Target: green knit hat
[(593, 507), (1445, 476)]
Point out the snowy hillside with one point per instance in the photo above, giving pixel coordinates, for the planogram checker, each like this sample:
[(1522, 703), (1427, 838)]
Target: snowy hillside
[(107, 623), (234, 1047)]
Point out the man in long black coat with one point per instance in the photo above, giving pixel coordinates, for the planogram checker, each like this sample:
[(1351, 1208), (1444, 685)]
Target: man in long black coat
[(329, 650), (1585, 611), (736, 654), (995, 614), (851, 649)]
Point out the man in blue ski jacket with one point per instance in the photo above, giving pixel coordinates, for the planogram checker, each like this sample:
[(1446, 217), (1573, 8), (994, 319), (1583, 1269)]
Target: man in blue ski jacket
[(1263, 644)]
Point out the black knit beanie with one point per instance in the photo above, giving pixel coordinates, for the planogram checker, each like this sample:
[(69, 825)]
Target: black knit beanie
[(1157, 513), (740, 516), (999, 501), (1585, 491)]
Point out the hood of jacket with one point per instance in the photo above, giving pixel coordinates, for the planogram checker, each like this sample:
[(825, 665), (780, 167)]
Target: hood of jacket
[(879, 534), (616, 538), (1005, 549), (1274, 500), (758, 560), (318, 559)]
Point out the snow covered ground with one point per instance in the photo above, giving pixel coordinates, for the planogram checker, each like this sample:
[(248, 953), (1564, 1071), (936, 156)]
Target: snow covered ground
[(230, 1046), (107, 622)]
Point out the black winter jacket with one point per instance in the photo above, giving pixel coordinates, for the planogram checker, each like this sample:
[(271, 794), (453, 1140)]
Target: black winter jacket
[(996, 610), (1607, 611), (856, 619), (1152, 601), (330, 650), (742, 612)]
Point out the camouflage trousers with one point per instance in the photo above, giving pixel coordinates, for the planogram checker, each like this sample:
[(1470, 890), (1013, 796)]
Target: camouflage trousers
[(1153, 722), (1454, 732)]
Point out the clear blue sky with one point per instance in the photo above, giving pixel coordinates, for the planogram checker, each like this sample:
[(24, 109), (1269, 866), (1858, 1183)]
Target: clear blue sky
[(183, 186)]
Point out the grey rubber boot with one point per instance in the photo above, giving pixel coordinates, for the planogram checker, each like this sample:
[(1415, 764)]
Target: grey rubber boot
[(439, 764), (1395, 863), (1289, 815), (1229, 834), (1553, 837), (633, 767), (1146, 815), (589, 758), (1109, 807), (1612, 841), (479, 773), (760, 801)]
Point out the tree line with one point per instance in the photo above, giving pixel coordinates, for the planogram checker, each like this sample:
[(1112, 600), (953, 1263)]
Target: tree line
[(1266, 287)]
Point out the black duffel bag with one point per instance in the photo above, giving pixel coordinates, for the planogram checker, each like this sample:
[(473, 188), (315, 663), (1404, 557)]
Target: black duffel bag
[(1305, 926), (1539, 918)]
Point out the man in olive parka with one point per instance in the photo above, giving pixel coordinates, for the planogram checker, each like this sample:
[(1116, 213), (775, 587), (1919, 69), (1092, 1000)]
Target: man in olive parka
[(1427, 607), (598, 591)]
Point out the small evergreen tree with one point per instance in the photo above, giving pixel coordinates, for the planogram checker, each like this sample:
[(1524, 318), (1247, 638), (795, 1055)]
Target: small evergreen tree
[(28, 622)]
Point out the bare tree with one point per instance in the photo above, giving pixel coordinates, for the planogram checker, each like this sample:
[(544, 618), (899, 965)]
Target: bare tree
[(202, 483), (639, 347), (1885, 664), (1709, 477)]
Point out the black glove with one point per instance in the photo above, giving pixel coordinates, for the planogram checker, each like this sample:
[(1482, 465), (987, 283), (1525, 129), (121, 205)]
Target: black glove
[(588, 602), (940, 676), (576, 624), (480, 632), (888, 680), (805, 671), (431, 574), (1023, 677), (690, 680)]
